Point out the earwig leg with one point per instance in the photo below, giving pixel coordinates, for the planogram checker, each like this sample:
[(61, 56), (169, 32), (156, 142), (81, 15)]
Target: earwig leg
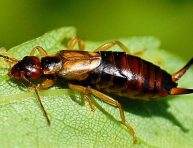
[(72, 43), (41, 51), (91, 104), (139, 53), (177, 91), (85, 92), (108, 100), (38, 96), (109, 45), (113, 102), (48, 82), (181, 72)]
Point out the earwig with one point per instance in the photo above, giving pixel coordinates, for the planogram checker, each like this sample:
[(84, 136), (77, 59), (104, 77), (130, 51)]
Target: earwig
[(98, 73)]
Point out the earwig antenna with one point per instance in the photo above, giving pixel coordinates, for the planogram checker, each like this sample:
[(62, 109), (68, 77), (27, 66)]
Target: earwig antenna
[(8, 58)]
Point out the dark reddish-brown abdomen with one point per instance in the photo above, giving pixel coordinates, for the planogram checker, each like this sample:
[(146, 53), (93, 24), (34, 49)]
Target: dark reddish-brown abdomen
[(130, 76)]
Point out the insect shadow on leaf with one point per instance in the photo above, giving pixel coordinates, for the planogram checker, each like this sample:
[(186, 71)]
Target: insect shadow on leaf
[(157, 108)]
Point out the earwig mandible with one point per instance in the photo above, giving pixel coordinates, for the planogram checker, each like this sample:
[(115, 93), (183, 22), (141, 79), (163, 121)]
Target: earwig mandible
[(97, 73)]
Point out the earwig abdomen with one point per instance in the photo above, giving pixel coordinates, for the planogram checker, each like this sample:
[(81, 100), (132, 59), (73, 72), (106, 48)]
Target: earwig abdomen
[(130, 76)]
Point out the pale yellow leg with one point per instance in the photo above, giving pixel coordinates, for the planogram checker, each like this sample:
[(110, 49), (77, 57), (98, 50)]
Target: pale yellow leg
[(41, 51), (46, 83), (85, 92), (109, 45), (108, 100), (72, 43), (91, 104)]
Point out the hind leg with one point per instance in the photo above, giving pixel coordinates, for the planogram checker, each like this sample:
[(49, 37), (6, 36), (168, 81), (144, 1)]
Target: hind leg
[(111, 44)]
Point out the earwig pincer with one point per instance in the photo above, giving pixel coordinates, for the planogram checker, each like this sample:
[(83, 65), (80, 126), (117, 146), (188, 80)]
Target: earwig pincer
[(98, 73)]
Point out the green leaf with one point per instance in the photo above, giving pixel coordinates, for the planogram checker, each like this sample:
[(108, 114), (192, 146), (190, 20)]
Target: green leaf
[(164, 123)]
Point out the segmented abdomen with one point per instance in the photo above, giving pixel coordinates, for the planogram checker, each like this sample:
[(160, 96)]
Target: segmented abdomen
[(130, 76)]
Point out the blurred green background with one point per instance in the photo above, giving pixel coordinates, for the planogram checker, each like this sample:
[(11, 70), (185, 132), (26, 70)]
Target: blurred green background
[(169, 20)]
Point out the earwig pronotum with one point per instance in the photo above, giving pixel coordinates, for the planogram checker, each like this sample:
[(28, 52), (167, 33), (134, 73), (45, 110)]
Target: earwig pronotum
[(97, 73)]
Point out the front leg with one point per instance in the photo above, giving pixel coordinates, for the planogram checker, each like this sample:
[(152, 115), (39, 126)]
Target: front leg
[(47, 82)]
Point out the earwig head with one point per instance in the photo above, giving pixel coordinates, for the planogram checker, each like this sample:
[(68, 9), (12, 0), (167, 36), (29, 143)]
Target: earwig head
[(29, 67)]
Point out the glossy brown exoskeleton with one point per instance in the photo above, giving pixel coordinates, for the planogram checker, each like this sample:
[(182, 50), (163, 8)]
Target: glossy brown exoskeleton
[(97, 73)]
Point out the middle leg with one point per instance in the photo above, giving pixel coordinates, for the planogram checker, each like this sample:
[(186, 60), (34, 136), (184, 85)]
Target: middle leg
[(85, 92)]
